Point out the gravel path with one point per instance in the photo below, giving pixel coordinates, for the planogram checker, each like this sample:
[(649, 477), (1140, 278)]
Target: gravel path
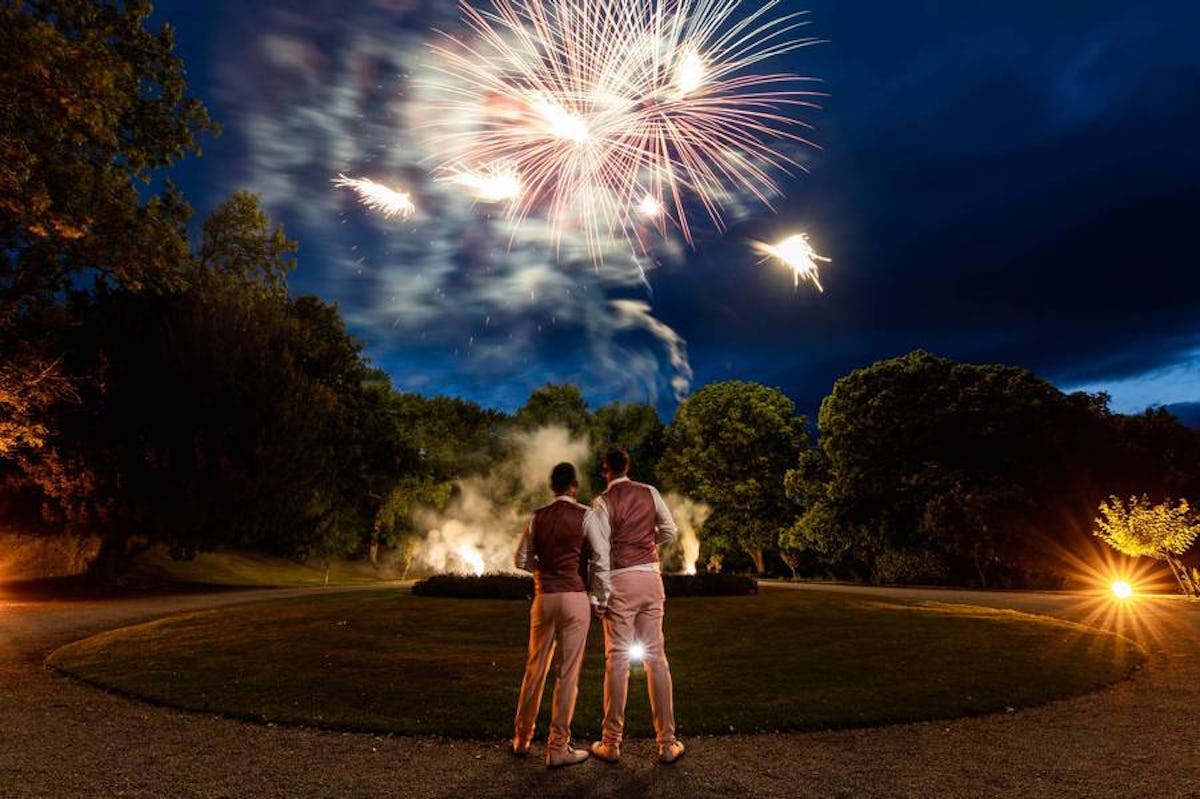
[(59, 738)]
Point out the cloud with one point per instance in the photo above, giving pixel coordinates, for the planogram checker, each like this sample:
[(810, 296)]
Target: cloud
[(1176, 384)]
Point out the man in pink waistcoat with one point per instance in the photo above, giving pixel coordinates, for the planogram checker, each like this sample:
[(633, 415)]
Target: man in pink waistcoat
[(552, 547), (628, 523)]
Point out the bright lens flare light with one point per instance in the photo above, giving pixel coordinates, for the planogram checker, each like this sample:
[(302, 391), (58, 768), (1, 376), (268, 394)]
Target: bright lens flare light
[(1122, 589), (378, 197), (797, 254), (637, 652)]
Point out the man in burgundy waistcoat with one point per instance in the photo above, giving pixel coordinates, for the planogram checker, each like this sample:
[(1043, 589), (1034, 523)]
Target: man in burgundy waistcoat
[(629, 521), (552, 547)]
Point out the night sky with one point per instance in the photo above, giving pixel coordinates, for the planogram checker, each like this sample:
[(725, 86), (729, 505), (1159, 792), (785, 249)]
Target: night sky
[(1012, 182)]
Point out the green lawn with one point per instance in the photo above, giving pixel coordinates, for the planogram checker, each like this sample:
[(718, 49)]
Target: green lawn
[(247, 569), (390, 662)]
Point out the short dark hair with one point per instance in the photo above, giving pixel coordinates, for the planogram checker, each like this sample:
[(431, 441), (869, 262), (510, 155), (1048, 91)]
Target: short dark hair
[(562, 477), (617, 460)]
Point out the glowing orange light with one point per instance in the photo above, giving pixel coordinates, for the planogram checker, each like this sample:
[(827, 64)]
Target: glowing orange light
[(637, 652), (1122, 589)]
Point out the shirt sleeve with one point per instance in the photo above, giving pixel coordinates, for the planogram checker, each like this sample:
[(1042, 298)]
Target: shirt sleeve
[(665, 530), (525, 557), (598, 531)]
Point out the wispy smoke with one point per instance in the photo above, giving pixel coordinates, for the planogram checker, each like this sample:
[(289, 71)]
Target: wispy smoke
[(689, 516), (469, 300), (479, 529)]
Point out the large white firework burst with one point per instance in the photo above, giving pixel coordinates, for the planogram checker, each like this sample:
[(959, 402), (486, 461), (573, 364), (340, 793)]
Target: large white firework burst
[(616, 117)]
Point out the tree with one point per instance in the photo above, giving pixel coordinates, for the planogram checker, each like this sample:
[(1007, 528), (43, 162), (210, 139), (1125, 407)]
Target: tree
[(1141, 529), (450, 437), (220, 413), (921, 457), (555, 404), (93, 106), (730, 445), (635, 427)]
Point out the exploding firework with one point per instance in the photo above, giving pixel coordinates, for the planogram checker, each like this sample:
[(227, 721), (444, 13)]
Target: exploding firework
[(378, 197), (797, 254), (609, 114)]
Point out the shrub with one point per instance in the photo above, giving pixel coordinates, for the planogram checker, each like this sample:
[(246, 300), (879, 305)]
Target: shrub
[(465, 586), (910, 567), (709, 584)]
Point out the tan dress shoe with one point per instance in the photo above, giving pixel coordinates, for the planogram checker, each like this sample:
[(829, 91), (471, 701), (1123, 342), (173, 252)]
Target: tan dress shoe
[(609, 753), (669, 753), (521, 746), (557, 758)]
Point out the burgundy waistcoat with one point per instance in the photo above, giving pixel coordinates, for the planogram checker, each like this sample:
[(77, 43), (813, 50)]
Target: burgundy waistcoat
[(558, 544), (633, 518)]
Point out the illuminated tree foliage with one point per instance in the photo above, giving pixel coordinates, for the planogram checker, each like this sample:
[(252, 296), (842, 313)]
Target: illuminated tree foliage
[(1161, 531), (729, 446)]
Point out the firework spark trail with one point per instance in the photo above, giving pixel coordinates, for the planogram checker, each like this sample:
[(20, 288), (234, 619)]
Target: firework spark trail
[(378, 197), (797, 254), (607, 109), (496, 184)]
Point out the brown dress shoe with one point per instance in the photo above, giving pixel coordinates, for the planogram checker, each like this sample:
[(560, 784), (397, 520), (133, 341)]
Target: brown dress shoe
[(557, 758), (669, 753), (609, 753)]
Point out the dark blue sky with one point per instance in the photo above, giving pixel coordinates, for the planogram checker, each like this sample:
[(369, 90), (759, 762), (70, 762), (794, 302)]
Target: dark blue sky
[(1014, 182)]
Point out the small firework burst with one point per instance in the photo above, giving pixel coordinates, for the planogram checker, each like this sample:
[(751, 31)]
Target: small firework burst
[(378, 197), (796, 253)]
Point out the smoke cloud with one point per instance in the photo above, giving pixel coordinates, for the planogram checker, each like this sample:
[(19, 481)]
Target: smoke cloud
[(478, 531), (689, 515)]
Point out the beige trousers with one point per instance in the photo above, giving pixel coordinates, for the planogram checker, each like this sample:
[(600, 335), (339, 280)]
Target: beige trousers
[(635, 615), (558, 620)]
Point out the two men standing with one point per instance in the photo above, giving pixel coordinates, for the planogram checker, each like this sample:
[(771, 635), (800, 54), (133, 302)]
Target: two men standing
[(618, 538)]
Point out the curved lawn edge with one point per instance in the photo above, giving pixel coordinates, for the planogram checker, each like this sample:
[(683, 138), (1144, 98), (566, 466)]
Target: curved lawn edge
[(60, 660)]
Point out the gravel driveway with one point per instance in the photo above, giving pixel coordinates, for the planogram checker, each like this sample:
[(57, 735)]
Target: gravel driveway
[(59, 738)]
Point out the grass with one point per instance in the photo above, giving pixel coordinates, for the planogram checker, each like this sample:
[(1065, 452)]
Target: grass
[(247, 569), (387, 661), (514, 586)]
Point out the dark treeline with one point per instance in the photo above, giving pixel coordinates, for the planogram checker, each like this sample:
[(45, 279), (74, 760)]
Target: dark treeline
[(159, 384)]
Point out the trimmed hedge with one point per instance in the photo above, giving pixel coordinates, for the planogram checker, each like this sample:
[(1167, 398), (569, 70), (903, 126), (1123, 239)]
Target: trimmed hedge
[(469, 586), (709, 584), (513, 586)]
